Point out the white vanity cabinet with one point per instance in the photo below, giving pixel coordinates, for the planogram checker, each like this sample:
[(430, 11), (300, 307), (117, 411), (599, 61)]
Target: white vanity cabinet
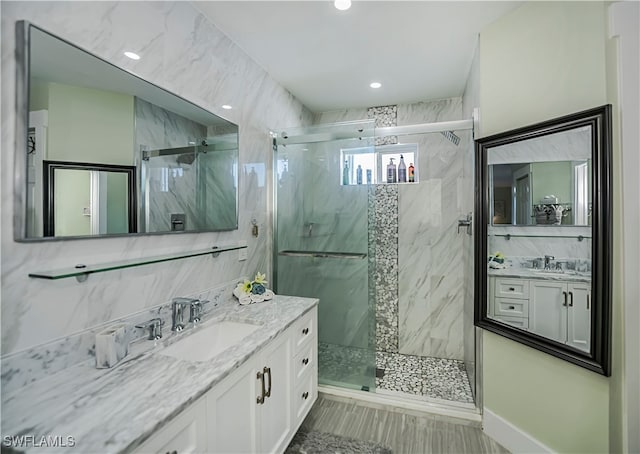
[(555, 309), (562, 311), (233, 417), (238, 419), (185, 434)]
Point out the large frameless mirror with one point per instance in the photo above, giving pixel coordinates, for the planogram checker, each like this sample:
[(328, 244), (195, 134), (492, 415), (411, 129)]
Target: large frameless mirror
[(75, 107), (544, 234)]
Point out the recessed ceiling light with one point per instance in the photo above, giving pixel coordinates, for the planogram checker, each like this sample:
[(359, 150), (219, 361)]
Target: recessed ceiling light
[(375, 85), (132, 55), (342, 5), (227, 107)]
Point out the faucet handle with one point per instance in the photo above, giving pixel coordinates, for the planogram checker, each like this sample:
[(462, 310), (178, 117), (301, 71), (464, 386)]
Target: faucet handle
[(154, 326), (195, 311)]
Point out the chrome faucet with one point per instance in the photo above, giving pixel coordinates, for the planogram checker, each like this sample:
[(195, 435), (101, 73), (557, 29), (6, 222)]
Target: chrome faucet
[(547, 261), (178, 306), (195, 312), (154, 326)]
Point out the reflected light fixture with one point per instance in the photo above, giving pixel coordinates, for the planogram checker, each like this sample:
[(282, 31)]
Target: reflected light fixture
[(342, 5), (375, 85), (132, 55), (226, 107)]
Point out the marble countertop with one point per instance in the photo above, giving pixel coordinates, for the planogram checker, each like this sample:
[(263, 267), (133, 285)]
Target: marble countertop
[(528, 273), (115, 410)]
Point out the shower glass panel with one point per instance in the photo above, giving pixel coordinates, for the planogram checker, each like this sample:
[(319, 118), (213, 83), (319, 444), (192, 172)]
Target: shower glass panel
[(191, 188), (323, 245)]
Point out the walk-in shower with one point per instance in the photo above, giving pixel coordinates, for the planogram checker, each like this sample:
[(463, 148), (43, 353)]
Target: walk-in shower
[(387, 261)]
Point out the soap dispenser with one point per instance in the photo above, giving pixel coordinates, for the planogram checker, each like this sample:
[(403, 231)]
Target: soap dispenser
[(402, 171), (391, 172)]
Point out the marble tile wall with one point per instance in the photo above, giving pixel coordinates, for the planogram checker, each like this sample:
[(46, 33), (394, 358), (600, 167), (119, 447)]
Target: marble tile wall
[(187, 55), (430, 255)]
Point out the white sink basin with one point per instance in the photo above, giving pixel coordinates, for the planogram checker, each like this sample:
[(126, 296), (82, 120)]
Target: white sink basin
[(207, 342)]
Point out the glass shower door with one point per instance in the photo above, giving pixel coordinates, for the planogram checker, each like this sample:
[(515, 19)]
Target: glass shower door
[(322, 247)]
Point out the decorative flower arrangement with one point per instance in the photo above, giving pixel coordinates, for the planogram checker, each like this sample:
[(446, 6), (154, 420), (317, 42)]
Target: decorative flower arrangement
[(249, 292), (498, 257), (496, 261)]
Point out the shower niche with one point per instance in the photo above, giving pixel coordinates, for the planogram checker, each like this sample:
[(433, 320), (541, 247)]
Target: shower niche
[(371, 165)]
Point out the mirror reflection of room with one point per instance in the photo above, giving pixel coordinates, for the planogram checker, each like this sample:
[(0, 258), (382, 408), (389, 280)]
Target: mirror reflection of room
[(542, 193), (84, 110)]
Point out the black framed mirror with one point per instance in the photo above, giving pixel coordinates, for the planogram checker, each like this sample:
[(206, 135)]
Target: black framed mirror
[(88, 199), (544, 236)]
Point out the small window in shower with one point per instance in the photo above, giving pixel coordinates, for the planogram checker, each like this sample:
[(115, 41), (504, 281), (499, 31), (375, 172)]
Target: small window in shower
[(369, 165)]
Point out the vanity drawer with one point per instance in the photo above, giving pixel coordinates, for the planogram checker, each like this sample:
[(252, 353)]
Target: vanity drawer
[(511, 307), (304, 361), (305, 395), (304, 329), (518, 322), (511, 288)]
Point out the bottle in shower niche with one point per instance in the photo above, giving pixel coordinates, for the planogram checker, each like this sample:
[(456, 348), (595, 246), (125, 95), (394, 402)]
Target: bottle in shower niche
[(345, 173), (359, 174), (391, 172), (402, 171), (368, 176), (412, 173)]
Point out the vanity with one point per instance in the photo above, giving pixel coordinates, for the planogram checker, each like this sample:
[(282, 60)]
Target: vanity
[(250, 397), (554, 305)]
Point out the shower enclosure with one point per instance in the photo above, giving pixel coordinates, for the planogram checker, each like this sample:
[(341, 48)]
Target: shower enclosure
[(387, 261)]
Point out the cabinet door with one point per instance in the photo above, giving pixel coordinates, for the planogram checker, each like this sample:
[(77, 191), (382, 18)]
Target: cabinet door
[(185, 434), (579, 316), (547, 310), (275, 414), (232, 411)]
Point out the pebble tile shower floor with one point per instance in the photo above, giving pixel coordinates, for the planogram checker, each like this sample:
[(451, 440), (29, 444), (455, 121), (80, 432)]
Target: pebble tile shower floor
[(421, 376)]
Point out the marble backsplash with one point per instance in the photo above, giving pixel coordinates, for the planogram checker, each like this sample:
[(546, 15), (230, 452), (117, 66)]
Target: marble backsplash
[(27, 366), (184, 53)]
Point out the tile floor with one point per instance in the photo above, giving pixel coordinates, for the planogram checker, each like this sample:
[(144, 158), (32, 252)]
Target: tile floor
[(404, 431)]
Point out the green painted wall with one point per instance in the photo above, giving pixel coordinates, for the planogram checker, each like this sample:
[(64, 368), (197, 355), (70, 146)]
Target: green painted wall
[(544, 60), (552, 178), (88, 125), (92, 126)]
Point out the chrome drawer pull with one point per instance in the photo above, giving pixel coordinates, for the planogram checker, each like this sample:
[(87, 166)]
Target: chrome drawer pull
[(305, 361), (305, 395), (260, 399), (511, 289), (512, 307), (305, 331), (267, 370)]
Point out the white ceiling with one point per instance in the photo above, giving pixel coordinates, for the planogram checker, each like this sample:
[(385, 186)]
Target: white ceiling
[(418, 50)]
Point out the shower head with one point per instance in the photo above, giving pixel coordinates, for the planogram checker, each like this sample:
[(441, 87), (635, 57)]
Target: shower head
[(186, 158), (451, 136)]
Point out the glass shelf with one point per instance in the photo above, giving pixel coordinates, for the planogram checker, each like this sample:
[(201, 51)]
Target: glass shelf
[(81, 271)]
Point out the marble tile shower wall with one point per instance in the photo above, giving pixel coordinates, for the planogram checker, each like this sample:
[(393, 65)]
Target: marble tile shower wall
[(157, 128), (183, 53), (432, 285)]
